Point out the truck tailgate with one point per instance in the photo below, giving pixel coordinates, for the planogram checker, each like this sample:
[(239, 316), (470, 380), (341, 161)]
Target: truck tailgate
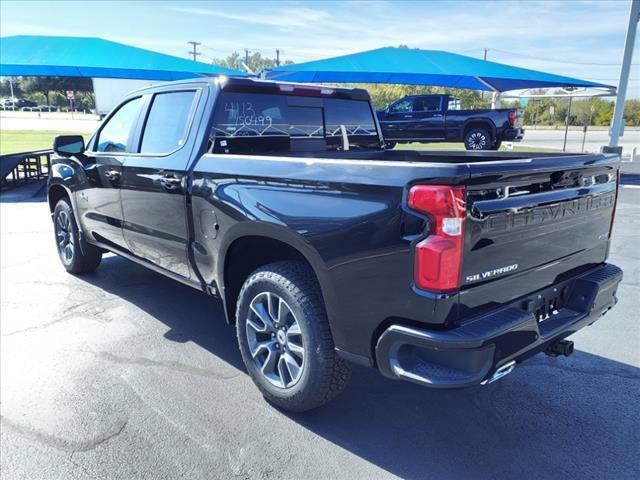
[(537, 214)]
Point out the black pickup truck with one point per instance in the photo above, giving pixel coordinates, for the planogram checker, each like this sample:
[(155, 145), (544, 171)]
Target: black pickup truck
[(430, 118), (441, 269)]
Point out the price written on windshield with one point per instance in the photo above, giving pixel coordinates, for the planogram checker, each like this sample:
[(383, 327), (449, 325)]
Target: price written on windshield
[(244, 114)]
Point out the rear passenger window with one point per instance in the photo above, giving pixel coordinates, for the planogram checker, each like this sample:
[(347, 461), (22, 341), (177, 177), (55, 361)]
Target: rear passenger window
[(114, 135), (430, 104), (166, 126)]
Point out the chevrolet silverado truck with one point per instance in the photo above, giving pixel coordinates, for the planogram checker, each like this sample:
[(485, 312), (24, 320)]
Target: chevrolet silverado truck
[(443, 269), (431, 118)]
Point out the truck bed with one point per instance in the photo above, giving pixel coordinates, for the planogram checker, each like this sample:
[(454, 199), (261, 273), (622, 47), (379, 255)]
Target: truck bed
[(436, 156)]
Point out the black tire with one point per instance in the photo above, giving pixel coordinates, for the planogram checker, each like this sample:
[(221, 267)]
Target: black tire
[(496, 145), (323, 374), (389, 145), (477, 138), (76, 255)]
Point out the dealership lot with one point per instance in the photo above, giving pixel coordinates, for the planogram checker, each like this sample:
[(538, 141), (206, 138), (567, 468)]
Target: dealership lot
[(127, 374)]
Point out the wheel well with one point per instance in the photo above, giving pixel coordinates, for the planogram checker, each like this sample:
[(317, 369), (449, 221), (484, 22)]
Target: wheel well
[(245, 255), (478, 124), (56, 192)]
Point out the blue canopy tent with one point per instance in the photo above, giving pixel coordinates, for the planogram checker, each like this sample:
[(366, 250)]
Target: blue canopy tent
[(423, 67), (30, 55), (94, 58)]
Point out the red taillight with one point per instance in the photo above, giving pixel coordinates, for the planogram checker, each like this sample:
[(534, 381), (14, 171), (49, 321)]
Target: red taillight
[(438, 258), (513, 116)]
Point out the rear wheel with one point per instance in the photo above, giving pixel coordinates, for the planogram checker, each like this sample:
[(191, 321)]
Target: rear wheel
[(76, 255), (477, 139), (496, 145), (285, 340)]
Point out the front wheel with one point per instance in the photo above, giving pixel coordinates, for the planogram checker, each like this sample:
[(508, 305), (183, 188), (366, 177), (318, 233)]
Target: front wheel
[(285, 340), (477, 139), (76, 255)]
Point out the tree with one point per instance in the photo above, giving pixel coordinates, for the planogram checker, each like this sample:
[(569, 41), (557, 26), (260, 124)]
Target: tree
[(5, 87), (632, 112), (49, 85)]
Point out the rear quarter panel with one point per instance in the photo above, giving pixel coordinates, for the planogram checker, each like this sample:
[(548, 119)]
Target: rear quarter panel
[(347, 217)]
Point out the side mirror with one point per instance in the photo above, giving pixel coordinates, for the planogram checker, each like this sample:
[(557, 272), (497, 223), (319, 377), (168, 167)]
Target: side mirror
[(67, 145)]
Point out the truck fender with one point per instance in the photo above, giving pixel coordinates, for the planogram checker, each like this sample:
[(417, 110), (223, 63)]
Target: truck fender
[(485, 120), (283, 235), (59, 175)]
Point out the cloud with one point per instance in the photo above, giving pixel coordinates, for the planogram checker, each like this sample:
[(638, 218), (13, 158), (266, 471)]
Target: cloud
[(290, 17)]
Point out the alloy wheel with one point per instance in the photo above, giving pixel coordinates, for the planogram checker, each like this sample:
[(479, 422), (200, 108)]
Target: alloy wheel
[(275, 340), (477, 141), (64, 237)]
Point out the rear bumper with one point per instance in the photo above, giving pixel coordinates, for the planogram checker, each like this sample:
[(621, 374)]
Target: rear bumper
[(513, 134), (471, 353)]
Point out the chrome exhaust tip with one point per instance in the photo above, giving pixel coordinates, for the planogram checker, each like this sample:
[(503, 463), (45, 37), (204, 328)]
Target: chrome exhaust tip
[(503, 371)]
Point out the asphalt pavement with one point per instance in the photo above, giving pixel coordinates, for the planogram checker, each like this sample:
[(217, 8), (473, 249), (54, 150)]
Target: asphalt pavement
[(125, 374), (594, 139)]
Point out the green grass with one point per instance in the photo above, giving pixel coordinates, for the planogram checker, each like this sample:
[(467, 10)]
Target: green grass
[(15, 141), (460, 146)]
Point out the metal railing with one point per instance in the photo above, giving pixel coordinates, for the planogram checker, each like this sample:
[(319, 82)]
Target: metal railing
[(25, 167)]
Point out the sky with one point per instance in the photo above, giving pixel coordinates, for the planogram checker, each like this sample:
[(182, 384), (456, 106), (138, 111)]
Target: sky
[(583, 39)]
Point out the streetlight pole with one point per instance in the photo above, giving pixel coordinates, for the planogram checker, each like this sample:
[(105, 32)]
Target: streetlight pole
[(618, 119)]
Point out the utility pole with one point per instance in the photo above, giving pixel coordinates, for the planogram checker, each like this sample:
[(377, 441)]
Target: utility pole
[(194, 52), (277, 57), (618, 119)]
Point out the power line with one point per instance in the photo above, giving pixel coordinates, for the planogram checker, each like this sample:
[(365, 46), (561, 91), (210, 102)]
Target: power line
[(194, 52), (590, 64)]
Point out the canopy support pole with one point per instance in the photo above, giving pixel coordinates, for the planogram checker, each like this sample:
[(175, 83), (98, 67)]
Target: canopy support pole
[(495, 98), (618, 119)]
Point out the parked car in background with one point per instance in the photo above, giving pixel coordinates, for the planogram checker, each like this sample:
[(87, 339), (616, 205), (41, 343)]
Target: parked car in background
[(18, 103), (22, 103), (441, 268), (431, 118)]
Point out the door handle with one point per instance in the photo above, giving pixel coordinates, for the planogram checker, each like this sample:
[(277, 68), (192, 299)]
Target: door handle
[(112, 174), (171, 181)]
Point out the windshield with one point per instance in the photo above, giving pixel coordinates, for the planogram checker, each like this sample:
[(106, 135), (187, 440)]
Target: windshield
[(270, 123)]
